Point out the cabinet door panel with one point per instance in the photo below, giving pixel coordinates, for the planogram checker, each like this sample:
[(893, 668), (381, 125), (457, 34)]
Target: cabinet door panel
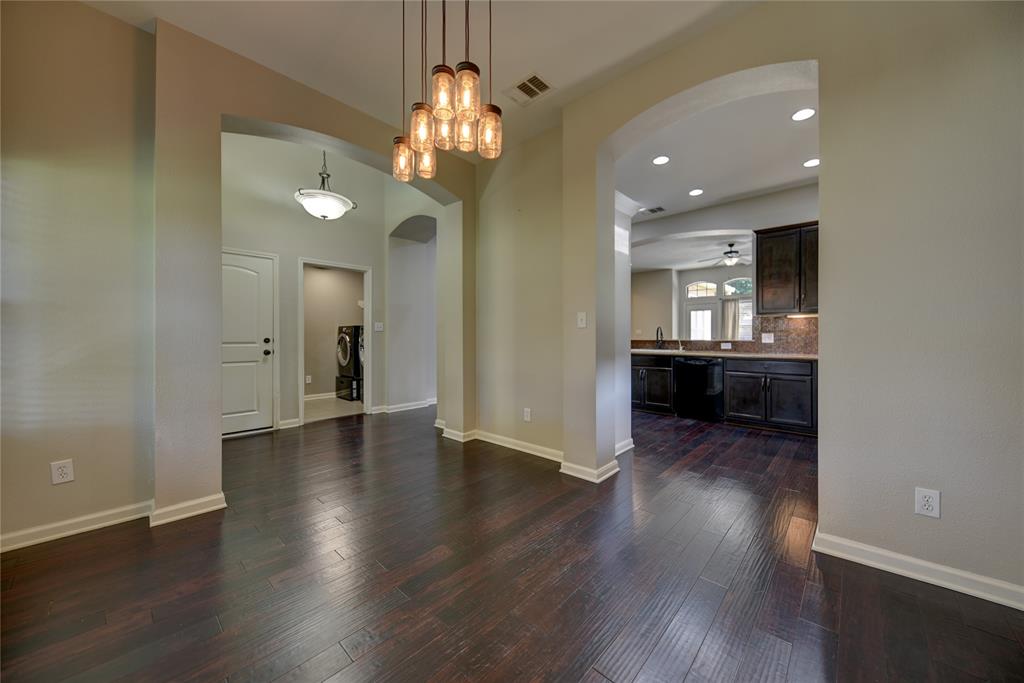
[(778, 272), (744, 397), (809, 270), (658, 389), (637, 387), (790, 400)]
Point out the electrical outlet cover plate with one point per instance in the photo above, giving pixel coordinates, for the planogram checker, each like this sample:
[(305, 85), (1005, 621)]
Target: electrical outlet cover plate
[(309, 379), (767, 337), (378, 327), (62, 471), (926, 502)]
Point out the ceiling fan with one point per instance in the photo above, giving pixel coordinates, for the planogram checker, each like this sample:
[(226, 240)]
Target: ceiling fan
[(729, 257)]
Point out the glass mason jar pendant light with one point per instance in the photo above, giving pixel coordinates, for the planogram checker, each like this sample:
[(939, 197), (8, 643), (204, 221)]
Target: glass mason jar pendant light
[(489, 132), (465, 136), (467, 91), (421, 125), (489, 125), (443, 86), (426, 164), (402, 160), (444, 134)]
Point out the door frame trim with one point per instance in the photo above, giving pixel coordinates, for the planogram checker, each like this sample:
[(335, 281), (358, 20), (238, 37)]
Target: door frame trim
[(368, 332), (275, 362)]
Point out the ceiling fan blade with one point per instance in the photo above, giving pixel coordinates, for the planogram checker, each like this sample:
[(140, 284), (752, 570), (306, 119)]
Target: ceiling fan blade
[(713, 258)]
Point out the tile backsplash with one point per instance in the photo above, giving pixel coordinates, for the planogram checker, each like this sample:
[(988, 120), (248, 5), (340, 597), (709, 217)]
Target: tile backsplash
[(792, 335)]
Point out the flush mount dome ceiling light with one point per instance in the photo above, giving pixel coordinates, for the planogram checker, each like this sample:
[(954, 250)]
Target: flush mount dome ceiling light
[(696, 192), (324, 203), (803, 114), (660, 160), (811, 163)]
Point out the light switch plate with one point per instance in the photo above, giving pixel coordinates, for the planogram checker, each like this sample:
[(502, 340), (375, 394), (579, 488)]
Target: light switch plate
[(581, 319), (527, 415), (309, 379), (726, 346), (378, 327), (767, 337)]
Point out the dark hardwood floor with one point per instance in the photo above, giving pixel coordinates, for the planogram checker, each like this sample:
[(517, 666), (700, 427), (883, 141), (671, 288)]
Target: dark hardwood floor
[(371, 549)]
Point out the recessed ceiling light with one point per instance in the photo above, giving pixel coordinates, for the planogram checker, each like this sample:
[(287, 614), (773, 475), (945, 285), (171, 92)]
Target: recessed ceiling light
[(811, 163), (803, 114), (696, 192), (660, 160)]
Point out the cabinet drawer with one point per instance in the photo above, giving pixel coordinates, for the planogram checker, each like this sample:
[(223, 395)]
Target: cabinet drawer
[(775, 367), (652, 361)]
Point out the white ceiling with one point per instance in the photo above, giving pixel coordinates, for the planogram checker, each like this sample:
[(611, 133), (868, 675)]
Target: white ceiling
[(687, 251), (744, 148), (352, 50)]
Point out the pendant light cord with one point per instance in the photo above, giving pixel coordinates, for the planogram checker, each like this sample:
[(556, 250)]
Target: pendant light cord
[(467, 30), (444, 33), (490, 52), (402, 108), (423, 50)]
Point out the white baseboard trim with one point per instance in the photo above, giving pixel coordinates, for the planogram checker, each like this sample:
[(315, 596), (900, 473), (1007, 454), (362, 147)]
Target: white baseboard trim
[(315, 397), (591, 475), (400, 407), (439, 423), (516, 444), (75, 525), (623, 446), (190, 508), (288, 424), (984, 587), (461, 437)]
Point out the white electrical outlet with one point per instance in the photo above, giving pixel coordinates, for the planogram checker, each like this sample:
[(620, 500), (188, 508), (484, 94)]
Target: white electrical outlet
[(62, 471), (581, 320), (378, 327), (767, 337), (926, 502), (726, 346), (527, 415), (309, 379)]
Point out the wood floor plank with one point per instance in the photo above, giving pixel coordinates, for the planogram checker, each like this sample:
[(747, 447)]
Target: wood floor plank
[(369, 548)]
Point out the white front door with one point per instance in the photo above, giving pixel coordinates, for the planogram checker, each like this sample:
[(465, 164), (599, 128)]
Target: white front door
[(247, 343)]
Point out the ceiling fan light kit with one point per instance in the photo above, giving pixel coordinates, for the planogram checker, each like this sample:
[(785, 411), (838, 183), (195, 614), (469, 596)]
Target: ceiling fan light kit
[(454, 118)]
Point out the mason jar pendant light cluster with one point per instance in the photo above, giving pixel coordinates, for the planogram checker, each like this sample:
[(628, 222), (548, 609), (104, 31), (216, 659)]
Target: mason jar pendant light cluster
[(454, 117)]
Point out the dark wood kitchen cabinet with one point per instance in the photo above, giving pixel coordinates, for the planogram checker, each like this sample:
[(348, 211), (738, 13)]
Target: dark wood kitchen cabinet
[(786, 270), (652, 383), (781, 394)]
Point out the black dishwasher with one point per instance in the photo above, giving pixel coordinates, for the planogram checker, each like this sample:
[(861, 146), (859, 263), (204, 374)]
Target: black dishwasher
[(699, 388)]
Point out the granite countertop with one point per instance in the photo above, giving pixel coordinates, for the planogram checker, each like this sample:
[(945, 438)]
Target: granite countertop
[(724, 354)]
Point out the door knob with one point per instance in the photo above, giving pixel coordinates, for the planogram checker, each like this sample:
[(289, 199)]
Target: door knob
[(266, 340), (266, 352)]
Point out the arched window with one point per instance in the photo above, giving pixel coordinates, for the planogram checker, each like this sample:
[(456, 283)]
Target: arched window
[(696, 290), (738, 286)]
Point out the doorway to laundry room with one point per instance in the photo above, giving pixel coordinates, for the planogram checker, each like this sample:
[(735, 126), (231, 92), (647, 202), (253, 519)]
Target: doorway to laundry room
[(334, 350)]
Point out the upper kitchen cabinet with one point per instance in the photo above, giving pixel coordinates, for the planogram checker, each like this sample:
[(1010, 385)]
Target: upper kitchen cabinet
[(786, 270)]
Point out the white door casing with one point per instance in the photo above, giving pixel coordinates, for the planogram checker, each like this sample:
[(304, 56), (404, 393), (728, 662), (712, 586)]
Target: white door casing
[(247, 343)]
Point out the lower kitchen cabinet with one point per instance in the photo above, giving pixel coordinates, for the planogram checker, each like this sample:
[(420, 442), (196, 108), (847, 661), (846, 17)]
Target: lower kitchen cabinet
[(652, 383), (780, 394)]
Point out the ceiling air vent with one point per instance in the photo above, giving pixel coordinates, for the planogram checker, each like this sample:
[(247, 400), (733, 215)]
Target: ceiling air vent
[(653, 210), (527, 90)]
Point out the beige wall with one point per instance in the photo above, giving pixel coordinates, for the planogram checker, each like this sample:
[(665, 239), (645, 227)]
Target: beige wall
[(77, 263), (653, 304), (412, 321), (909, 166), (518, 288), (331, 299)]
